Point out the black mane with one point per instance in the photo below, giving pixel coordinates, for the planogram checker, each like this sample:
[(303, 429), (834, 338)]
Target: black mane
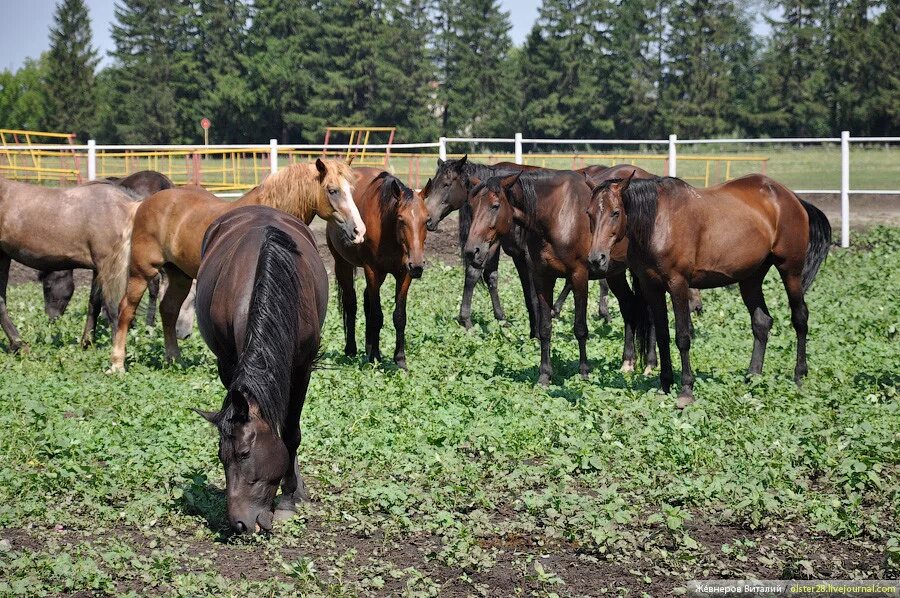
[(263, 371), (641, 201)]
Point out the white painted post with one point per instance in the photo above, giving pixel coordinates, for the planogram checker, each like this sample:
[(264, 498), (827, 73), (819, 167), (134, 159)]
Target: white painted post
[(92, 160), (845, 188), (442, 149), (518, 148), (672, 155), (273, 156)]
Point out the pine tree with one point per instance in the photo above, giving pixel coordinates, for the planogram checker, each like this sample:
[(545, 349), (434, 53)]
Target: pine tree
[(70, 71), (155, 52)]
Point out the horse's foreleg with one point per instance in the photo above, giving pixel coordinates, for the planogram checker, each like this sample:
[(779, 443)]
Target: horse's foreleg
[(15, 341), (293, 489), (618, 283), (400, 320), (799, 319), (152, 296), (465, 308), (659, 317), (681, 307), (185, 324), (137, 284), (603, 301), (95, 304), (170, 307), (579, 282), (760, 320), (343, 273), (527, 281), (490, 275), (544, 284), (561, 300), (374, 314)]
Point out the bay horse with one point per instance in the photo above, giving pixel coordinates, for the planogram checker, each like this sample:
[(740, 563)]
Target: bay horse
[(262, 292), (681, 237), (169, 225), (395, 217), (87, 226), (551, 207), (449, 192), (59, 285)]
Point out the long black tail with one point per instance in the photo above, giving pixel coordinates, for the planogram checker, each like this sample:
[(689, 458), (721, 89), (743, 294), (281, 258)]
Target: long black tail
[(643, 322), (272, 327), (819, 243)]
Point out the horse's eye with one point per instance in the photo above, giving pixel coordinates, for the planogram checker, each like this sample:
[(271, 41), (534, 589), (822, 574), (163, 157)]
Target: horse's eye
[(244, 455), (332, 191), (495, 207), (615, 213)]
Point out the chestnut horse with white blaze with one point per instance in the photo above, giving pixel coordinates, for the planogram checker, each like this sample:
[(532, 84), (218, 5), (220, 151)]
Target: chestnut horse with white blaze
[(681, 237), (169, 227), (395, 218), (262, 292)]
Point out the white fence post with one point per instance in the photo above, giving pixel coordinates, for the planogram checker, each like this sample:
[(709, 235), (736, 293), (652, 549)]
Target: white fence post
[(273, 156), (845, 188), (442, 148), (672, 155), (518, 148), (92, 160)]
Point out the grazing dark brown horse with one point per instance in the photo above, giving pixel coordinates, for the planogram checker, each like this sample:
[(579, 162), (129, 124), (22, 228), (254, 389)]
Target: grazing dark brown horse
[(168, 231), (394, 216), (59, 285), (681, 237), (262, 291), (58, 229), (551, 206)]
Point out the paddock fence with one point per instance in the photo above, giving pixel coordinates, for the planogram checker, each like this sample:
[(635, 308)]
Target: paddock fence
[(807, 165)]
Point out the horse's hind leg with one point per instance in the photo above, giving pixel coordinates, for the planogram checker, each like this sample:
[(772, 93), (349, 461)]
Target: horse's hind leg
[(618, 283), (95, 304), (603, 302), (400, 320), (152, 297), (292, 487), (580, 290), (15, 341), (760, 320), (465, 308), (799, 319), (490, 275), (561, 300), (343, 273), (170, 307), (528, 290), (680, 303), (374, 314)]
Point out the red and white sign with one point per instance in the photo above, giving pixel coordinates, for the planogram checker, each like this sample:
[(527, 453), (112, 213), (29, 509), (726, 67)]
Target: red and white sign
[(205, 123)]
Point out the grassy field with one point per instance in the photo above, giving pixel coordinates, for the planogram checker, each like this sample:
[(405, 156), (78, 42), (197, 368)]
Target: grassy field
[(799, 168), (461, 477)]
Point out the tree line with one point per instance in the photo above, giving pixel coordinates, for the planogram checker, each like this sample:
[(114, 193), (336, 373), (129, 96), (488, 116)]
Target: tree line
[(588, 68)]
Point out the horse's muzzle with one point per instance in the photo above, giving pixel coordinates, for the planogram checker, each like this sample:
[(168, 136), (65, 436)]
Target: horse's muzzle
[(598, 262), (415, 270), (431, 224)]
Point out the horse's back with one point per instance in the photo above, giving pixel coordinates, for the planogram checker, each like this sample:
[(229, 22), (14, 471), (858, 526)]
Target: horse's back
[(225, 281)]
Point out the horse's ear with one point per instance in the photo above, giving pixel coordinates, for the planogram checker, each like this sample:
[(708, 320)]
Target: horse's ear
[(473, 182), (240, 404), (396, 189), (440, 162), (627, 182), (210, 416), (508, 182), (462, 162), (323, 170), (589, 181)]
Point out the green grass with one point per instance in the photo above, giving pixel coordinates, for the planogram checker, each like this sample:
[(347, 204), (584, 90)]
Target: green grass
[(811, 167), (461, 475)]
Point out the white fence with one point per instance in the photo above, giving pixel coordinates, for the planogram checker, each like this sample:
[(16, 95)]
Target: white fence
[(516, 143)]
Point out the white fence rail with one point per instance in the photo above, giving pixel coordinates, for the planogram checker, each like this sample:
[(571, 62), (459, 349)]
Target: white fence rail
[(517, 144)]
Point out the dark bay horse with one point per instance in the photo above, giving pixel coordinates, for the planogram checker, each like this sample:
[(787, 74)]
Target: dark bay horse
[(262, 291), (59, 285), (169, 225), (551, 207), (394, 216), (681, 237), (87, 226)]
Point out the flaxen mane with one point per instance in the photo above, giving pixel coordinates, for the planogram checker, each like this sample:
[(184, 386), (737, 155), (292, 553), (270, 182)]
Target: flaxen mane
[(296, 188)]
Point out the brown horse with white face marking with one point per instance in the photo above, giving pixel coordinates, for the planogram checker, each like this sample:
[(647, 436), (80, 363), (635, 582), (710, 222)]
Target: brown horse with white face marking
[(262, 291), (395, 244), (169, 226), (681, 237), (87, 226)]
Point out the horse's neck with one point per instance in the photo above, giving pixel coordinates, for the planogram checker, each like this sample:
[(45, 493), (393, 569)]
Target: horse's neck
[(303, 207)]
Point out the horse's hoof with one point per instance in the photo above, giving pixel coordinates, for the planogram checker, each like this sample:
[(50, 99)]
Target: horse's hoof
[(683, 401), (544, 380), (19, 348), (648, 371), (503, 322), (585, 375), (284, 514), (401, 363), (467, 324), (627, 366), (350, 352), (86, 343), (116, 368)]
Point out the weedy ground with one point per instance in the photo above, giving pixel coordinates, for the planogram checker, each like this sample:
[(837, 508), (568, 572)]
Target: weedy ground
[(461, 477)]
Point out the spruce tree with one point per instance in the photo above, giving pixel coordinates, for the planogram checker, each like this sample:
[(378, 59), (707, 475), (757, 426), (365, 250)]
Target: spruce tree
[(71, 61)]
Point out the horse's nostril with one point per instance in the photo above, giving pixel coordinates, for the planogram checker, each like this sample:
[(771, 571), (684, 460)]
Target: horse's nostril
[(240, 527)]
